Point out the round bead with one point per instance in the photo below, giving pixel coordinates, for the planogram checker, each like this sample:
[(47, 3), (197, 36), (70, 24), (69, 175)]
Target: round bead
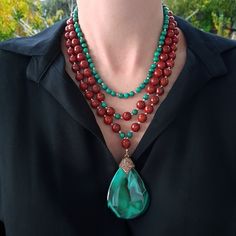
[(74, 42), (164, 81), (154, 100), (172, 25), (150, 89), (126, 115), (108, 120), (72, 35), (100, 96), (130, 134), (80, 57), (83, 64), (115, 127), (134, 112), (110, 111), (79, 76), (75, 67), (172, 55), (163, 57), (125, 143), (91, 80), (78, 49), (168, 41), (67, 36), (70, 51), (96, 88), (122, 135), (83, 85), (175, 39), (160, 90), (157, 73), (176, 31), (170, 63), (167, 71), (87, 72), (174, 47), (89, 94), (68, 43), (117, 116), (166, 49), (170, 33), (72, 59), (101, 111), (140, 104), (135, 127), (94, 103), (142, 117), (161, 64), (70, 21), (154, 81), (149, 109)]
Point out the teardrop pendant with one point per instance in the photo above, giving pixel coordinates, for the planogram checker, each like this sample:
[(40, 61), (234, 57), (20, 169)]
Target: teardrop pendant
[(127, 195)]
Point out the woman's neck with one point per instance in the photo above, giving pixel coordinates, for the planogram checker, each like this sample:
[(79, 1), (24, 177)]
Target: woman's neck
[(121, 32)]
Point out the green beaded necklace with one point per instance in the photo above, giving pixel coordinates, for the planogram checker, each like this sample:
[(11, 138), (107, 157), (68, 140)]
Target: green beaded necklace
[(150, 71)]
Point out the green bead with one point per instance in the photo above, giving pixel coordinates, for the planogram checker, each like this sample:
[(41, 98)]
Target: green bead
[(142, 85), (122, 135), (113, 93), (145, 96), (126, 95), (91, 65), (127, 196), (146, 81), (121, 95), (84, 45), (97, 76), (134, 112), (103, 104), (108, 91), (104, 86), (131, 93), (90, 60), (117, 116), (138, 89), (99, 81), (88, 55), (85, 50), (129, 134), (82, 40)]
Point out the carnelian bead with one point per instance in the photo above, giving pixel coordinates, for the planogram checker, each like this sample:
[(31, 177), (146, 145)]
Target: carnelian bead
[(108, 120), (154, 100), (140, 104), (142, 117), (135, 127), (160, 90), (75, 67), (70, 51), (79, 76), (163, 57), (115, 127), (83, 85), (148, 109), (167, 71), (72, 35), (157, 73), (170, 33), (96, 88), (150, 89), (170, 63), (171, 18), (100, 96), (175, 39), (87, 72), (80, 57), (168, 41), (164, 81), (72, 59), (161, 64), (110, 111), (68, 43), (176, 31), (166, 49), (89, 94), (172, 55), (83, 64), (91, 80), (70, 21), (154, 81), (78, 49), (172, 25), (126, 115), (174, 47), (74, 42), (101, 111), (125, 143), (94, 103)]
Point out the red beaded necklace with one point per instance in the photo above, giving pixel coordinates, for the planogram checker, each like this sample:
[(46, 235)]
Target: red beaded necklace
[(92, 91)]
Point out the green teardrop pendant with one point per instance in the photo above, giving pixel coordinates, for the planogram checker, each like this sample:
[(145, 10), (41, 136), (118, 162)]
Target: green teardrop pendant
[(127, 196)]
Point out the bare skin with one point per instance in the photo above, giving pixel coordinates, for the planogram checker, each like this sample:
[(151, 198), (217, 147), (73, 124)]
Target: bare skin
[(122, 37)]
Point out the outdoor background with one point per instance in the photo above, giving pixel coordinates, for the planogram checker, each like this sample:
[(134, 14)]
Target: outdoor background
[(28, 17)]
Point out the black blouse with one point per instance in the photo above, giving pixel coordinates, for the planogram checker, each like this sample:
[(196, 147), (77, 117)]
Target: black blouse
[(55, 167)]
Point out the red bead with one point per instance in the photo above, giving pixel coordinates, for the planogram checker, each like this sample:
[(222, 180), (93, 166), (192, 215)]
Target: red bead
[(172, 25), (168, 41), (175, 39), (170, 63), (126, 115), (161, 64), (166, 49), (140, 104), (115, 127), (74, 42), (75, 67), (89, 94), (164, 57), (154, 81), (79, 76), (83, 85), (68, 43), (101, 111), (150, 89), (172, 55), (160, 90), (157, 73), (110, 111), (108, 120), (170, 33), (170, 13), (154, 100), (91, 80), (70, 51), (72, 35), (167, 71), (100, 96), (67, 35), (83, 64), (80, 57), (148, 109), (176, 31), (135, 127), (96, 88), (173, 47), (171, 18), (72, 59), (125, 143), (87, 72), (94, 103), (70, 21), (164, 81), (142, 117), (78, 49)]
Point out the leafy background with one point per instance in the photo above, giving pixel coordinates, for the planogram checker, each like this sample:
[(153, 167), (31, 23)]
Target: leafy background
[(27, 17)]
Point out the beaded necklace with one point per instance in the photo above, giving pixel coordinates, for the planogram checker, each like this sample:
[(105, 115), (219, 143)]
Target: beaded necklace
[(127, 195)]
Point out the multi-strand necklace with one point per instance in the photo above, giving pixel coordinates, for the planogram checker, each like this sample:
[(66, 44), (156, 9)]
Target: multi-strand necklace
[(127, 195)]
